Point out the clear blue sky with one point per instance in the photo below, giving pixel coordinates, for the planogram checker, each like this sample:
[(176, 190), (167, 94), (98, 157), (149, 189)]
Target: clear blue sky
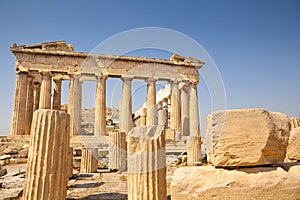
[(255, 44)]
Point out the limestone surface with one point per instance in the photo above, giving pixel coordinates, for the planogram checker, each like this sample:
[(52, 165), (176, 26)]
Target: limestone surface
[(246, 137), (207, 182), (293, 149)]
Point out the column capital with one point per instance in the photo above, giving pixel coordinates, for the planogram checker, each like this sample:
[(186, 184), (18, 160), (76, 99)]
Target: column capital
[(194, 82), (125, 78), (102, 76), (150, 80), (46, 73)]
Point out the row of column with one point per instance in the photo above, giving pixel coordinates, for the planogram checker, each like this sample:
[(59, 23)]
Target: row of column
[(184, 114)]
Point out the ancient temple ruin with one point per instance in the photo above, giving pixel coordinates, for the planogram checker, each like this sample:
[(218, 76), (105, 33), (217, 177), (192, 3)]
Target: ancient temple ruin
[(39, 66)]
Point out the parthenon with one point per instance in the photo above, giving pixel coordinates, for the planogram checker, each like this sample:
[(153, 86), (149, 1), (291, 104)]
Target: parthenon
[(41, 66)]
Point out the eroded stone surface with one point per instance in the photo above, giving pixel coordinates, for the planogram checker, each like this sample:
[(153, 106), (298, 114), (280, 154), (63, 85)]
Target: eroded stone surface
[(207, 182), (293, 149), (246, 137)]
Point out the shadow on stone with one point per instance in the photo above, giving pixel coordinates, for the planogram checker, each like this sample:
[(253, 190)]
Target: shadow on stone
[(104, 196), (87, 185)]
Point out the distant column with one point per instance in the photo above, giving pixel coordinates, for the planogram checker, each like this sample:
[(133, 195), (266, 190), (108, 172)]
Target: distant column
[(126, 106), (29, 105), (193, 110), (74, 105), (162, 115), (45, 94), (57, 94), (194, 156), (143, 118), (19, 108), (185, 118), (36, 95), (100, 108), (89, 160), (175, 109), (151, 102)]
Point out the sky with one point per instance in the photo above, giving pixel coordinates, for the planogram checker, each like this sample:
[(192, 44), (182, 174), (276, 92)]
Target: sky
[(254, 45)]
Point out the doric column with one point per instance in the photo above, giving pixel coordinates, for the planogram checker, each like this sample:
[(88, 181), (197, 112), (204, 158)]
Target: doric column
[(74, 105), (147, 163), (193, 109), (117, 151), (19, 108), (185, 123), (89, 160), (151, 102), (126, 106), (36, 95), (29, 105), (45, 93), (162, 115), (47, 171), (143, 117), (57, 94), (194, 156), (100, 108), (175, 109)]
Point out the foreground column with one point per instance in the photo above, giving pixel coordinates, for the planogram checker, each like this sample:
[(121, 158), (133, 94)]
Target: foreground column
[(100, 108), (29, 105), (19, 108), (45, 93), (46, 173), (57, 94), (117, 151), (147, 163), (74, 105), (126, 106), (175, 110), (151, 102), (185, 118), (89, 160)]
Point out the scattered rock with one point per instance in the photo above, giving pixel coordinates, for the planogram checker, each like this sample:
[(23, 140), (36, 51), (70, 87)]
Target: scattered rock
[(10, 151), (77, 152), (246, 137), (11, 194), (23, 153), (207, 182), (3, 172), (5, 159), (293, 149), (76, 162)]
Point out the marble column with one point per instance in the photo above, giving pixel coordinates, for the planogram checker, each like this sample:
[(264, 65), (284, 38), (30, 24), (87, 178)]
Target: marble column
[(162, 115), (175, 109), (47, 170), (100, 108), (143, 117), (29, 105), (151, 102), (36, 95), (117, 151), (19, 108), (45, 92), (57, 94), (126, 106), (89, 160), (194, 110), (185, 123), (74, 105)]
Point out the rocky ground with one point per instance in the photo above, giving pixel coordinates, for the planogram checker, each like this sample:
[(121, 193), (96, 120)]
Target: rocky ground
[(103, 185)]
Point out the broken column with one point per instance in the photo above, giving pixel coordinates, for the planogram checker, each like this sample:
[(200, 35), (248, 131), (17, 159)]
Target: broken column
[(295, 123), (143, 118), (46, 173), (89, 160), (194, 156), (162, 115), (117, 151), (100, 108), (19, 108), (147, 163)]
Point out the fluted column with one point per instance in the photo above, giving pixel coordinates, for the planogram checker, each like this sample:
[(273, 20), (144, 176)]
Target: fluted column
[(57, 94), (151, 102), (45, 93), (147, 163), (19, 108), (70, 162), (36, 95), (126, 106), (162, 115), (193, 110), (29, 105), (100, 108), (175, 110), (74, 105), (143, 118), (117, 151), (46, 173), (185, 118), (194, 156), (89, 160)]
